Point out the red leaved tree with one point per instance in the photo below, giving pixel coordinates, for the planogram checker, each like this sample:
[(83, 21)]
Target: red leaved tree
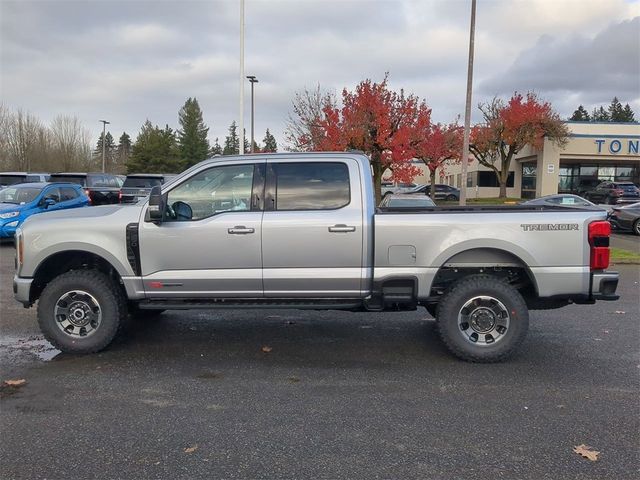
[(437, 144), (374, 119), (508, 128)]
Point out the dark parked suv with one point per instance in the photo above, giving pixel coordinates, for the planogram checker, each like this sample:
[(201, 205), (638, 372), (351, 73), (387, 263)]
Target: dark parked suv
[(14, 178), (613, 193), (443, 192), (101, 188), (138, 185)]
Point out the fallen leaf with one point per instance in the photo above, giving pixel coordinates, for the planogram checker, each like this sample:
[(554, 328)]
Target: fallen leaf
[(191, 449), (586, 452), (15, 383), (620, 312), (266, 348)]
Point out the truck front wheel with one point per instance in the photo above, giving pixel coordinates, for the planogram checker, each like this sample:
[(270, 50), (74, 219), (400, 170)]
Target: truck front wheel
[(482, 319), (81, 311)]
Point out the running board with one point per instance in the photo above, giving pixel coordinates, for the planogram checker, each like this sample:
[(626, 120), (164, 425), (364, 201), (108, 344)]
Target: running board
[(294, 303)]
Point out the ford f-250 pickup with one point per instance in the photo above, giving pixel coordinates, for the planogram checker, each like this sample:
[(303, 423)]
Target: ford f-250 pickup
[(302, 231)]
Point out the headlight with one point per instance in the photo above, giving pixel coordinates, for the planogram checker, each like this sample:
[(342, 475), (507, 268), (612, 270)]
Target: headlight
[(12, 224), (6, 215)]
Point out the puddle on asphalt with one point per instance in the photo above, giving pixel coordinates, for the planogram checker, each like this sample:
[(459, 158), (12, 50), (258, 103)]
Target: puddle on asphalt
[(35, 345)]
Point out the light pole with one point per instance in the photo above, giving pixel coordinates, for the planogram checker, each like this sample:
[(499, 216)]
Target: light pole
[(467, 110), (104, 127), (253, 80), (241, 124)]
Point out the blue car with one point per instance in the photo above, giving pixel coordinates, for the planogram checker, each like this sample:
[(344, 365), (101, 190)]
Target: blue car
[(18, 202)]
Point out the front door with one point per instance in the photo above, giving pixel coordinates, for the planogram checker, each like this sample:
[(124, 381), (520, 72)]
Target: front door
[(208, 244), (312, 229)]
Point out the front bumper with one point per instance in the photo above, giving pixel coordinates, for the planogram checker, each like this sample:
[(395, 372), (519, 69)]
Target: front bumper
[(8, 229), (22, 290)]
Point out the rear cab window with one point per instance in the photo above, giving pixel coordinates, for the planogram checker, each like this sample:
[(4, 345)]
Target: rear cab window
[(11, 179), (79, 179), (142, 182), (310, 185)]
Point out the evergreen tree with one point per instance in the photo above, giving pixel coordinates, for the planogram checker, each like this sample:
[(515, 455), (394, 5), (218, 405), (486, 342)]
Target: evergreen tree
[(231, 141), (616, 112), (247, 146), (155, 151), (123, 150), (216, 149), (628, 114), (109, 152), (600, 115), (192, 138), (580, 115), (269, 141)]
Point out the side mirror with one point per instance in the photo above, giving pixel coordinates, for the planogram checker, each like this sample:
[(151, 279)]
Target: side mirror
[(48, 202), (156, 205)]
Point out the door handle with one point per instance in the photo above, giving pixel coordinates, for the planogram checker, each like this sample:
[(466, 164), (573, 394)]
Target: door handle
[(341, 228), (240, 230)]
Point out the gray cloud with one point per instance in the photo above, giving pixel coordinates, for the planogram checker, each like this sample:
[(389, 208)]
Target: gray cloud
[(131, 60), (587, 70)]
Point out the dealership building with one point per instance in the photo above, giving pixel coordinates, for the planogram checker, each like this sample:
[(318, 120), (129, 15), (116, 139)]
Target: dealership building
[(594, 152)]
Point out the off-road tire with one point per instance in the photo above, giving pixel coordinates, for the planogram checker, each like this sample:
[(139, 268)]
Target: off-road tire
[(458, 295), (108, 294)]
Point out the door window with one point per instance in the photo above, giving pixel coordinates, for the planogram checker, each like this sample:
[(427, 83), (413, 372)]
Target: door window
[(213, 191), (67, 193), (311, 185), (53, 193)]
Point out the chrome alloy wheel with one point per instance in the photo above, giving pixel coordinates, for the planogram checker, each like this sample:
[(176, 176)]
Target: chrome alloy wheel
[(77, 313), (483, 320)]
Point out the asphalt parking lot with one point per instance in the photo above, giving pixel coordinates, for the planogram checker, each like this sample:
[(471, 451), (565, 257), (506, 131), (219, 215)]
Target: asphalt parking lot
[(339, 395)]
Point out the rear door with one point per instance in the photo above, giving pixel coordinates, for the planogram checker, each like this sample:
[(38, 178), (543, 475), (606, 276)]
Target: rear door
[(312, 229)]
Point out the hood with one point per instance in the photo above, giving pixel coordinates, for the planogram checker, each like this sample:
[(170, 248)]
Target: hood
[(86, 212), (85, 217), (11, 207)]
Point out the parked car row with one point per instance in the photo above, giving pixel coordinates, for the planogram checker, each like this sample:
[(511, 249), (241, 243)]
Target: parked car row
[(101, 188), (20, 201), (613, 193), (24, 194)]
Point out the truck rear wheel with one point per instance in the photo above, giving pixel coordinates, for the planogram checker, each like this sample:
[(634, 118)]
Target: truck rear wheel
[(81, 311), (482, 319)]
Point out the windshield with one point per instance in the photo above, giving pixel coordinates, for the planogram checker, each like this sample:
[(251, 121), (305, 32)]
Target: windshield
[(19, 195), (632, 206), (142, 182)]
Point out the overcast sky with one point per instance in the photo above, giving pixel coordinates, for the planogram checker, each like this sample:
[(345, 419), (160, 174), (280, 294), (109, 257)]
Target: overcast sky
[(126, 61)]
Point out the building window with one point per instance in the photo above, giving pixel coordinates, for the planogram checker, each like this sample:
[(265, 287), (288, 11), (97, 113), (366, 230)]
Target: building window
[(529, 172), (581, 178), (489, 179)]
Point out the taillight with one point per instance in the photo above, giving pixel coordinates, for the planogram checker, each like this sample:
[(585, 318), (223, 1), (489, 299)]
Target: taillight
[(87, 192), (120, 196), (618, 191), (599, 242)]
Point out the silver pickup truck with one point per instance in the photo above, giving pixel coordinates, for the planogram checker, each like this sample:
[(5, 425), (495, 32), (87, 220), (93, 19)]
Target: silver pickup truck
[(302, 231)]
